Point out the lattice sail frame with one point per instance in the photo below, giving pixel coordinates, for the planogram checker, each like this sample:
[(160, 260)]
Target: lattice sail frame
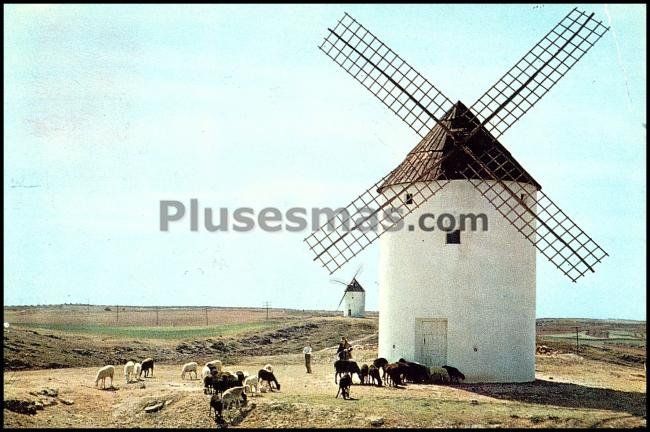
[(541, 67), (420, 104)]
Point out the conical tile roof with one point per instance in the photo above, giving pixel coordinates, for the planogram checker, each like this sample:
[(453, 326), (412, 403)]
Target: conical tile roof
[(354, 286), (438, 143)]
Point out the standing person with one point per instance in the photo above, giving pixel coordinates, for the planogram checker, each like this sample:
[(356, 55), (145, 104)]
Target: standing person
[(348, 349), (340, 351), (344, 350), (307, 352)]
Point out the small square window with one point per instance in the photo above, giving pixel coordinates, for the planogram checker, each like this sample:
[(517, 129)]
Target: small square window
[(453, 237), (409, 198)]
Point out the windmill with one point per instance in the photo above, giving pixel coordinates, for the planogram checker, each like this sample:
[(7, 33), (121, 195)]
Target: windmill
[(353, 298), (465, 298)]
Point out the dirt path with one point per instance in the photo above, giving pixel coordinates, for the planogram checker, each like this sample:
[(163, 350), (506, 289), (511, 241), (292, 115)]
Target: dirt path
[(569, 392)]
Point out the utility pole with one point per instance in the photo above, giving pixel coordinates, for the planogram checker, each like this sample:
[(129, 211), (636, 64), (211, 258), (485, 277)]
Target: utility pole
[(266, 305), (206, 316), (156, 316), (577, 339), (117, 313)]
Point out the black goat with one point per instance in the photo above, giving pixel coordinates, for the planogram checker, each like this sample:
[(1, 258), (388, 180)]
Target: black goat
[(415, 372), (364, 374), (264, 375), (342, 366), (209, 384), (216, 404), (373, 373), (394, 372), (219, 382), (344, 386), (381, 363), (147, 366), (454, 373)]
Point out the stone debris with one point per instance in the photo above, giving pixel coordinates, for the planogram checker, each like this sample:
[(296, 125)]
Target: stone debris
[(52, 392), (46, 402), (154, 408), (376, 421), (21, 406)]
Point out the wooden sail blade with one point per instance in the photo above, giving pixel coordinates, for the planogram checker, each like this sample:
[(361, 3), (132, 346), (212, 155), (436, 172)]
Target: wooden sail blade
[(523, 85), (353, 228), (533, 214), (378, 68)]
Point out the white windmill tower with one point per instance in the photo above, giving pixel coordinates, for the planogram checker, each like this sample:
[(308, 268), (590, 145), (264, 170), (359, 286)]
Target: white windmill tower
[(454, 295), (353, 299)]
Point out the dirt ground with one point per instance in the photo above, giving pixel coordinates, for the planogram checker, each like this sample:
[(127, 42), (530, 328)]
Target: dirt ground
[(570, 391)]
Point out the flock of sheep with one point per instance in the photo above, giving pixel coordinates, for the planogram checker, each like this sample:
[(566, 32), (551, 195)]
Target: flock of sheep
[(393, 374), (228, 389)]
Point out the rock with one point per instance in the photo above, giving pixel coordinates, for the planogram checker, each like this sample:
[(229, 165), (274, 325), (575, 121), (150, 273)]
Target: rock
[(39, 406), (474, 402), (376, 421), (66, 401), (168, 402), (53, 392), (154, 408), (142, 385), (20, 406), (550, 378), (47, 402)]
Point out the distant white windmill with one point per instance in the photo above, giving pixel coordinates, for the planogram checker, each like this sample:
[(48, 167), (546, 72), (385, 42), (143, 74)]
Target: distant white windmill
[(353, 299)]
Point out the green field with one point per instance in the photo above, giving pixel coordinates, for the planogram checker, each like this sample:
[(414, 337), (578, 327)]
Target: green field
[(175, 332)]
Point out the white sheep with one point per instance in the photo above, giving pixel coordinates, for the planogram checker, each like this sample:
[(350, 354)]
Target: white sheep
[(189, 368), (216, 363), (268, 367), (251, 385), (137, 368), (128, 371), (232, 396), (103, 373), (205, 372)]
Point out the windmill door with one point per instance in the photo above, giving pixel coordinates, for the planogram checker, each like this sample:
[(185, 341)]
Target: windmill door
[(431, 341)]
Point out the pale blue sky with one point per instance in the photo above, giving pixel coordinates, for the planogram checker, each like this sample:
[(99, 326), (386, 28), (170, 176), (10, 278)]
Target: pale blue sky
[(111, 108)]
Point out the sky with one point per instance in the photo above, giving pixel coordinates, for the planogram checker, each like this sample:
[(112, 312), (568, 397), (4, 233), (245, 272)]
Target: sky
[(110, 109)]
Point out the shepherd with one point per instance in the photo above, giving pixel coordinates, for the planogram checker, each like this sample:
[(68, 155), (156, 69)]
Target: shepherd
[(307, 352), (344, 351)]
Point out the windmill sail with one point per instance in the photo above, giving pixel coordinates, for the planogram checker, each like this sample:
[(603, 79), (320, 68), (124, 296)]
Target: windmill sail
[(523, 85), (368, 216), (393, 81), (422, 106), (342, 297)]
